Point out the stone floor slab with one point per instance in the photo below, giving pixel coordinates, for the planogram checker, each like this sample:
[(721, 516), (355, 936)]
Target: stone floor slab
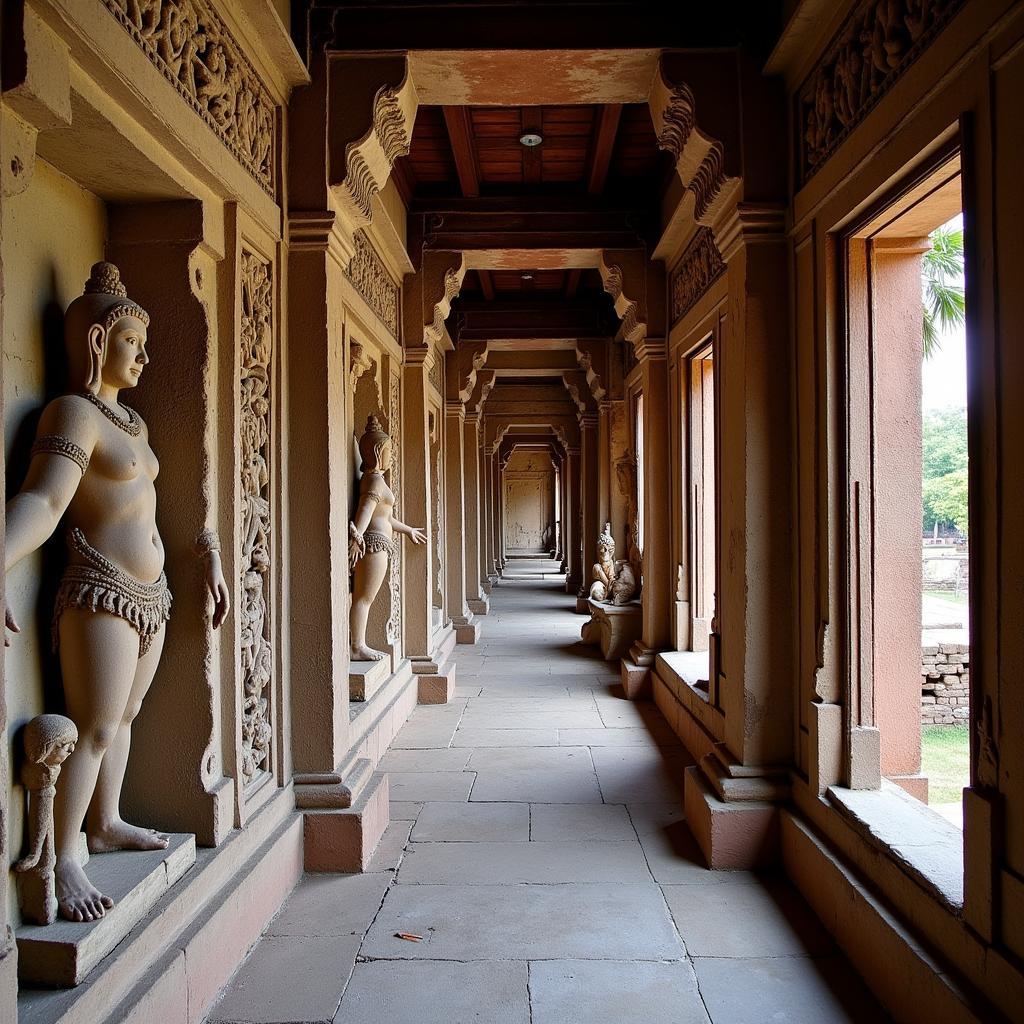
[(605, 737), (582, 719), (516, 862), (332, 905), (424, 786), (624, 921), (785, 989), (482, 737), (472, 822), (538, 787), (612, 992), (635, 775), (391, 848), (775, 921), (289, 978), (414, 992), (405, 810), (594, 822), (441, 759), (526, 758)]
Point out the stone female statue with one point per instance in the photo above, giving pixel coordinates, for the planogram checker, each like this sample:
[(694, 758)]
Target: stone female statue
[(92, 466), (603, 570), (372, 535)]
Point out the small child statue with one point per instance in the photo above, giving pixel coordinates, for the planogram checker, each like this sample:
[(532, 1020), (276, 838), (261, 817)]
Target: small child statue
[(48, 741)]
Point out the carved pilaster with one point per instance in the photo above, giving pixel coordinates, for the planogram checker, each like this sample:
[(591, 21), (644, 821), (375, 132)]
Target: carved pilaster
[(255, 487)]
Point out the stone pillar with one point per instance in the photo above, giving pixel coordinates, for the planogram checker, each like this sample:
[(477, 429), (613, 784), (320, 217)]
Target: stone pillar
[(499, 525), (896, 622), (318, 492), (591, 521), (573, 533), (467, 629), (435, 672), (604, 463), (476, 598), (658, 586), (754, 590), (563, 476), (489, 571)]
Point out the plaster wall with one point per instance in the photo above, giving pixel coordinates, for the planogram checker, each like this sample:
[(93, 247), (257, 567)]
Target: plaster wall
[(529, 498)]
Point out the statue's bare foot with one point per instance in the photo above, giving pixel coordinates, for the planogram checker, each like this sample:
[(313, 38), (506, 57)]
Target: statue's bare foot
[(360, 652), (77, 898), (119, 835)]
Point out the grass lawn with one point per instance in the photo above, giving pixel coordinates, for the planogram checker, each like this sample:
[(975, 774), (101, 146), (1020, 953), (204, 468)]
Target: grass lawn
[(945, 759), (946, 595)]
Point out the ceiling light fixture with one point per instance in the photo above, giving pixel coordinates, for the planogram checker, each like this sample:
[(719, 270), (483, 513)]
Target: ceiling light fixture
[(531, 139), (527, 275)]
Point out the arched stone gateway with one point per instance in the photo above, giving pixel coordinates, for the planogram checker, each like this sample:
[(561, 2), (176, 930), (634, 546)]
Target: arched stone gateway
[(445, 302)]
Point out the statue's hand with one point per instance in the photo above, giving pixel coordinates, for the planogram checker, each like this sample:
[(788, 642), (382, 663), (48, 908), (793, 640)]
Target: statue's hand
[(218, 588), (417, 536), (11, 624), (356, 545)]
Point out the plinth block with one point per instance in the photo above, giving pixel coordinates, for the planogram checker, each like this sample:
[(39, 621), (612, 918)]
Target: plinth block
[(62, 954), (619, 626), (344, 840), (365, 678)]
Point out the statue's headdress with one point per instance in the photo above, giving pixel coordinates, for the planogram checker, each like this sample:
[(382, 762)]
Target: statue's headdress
[(372, 442), (103, 302)]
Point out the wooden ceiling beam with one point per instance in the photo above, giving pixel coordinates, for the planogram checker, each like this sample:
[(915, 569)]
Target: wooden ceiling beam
[(460, 134), (572, 283), (604, 146)]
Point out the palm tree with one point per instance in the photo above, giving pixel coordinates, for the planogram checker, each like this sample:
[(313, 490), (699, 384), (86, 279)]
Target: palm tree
[(943, 269)]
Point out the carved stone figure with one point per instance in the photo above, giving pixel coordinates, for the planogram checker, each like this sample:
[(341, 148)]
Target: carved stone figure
[(624, 584), (371, 535), (604, 568), (48, 742), (92, 466)]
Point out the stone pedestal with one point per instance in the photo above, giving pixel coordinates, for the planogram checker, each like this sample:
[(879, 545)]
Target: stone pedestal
[(62, 954), (365, 678), (467, 629), (615, 627), (435, 676)]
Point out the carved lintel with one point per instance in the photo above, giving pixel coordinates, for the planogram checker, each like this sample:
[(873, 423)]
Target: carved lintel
[(872, 48), (698, 268), (189, 43)]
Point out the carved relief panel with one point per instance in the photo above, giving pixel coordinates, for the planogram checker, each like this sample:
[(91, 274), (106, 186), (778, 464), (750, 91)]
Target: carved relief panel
[(256, 351), (189, 43)]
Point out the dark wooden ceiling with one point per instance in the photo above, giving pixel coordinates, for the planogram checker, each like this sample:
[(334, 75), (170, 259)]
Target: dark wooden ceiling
[(491, 284), (588, 150)]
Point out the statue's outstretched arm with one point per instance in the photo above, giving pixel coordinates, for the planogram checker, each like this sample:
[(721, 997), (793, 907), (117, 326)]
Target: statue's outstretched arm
[(414, 533)]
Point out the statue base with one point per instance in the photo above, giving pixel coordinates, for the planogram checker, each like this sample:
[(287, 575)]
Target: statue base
[(62, 954), (618, 627), (365, 678)]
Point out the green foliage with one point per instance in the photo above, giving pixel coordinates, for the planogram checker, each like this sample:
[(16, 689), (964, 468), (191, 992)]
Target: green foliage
[(943, 269), (944, 468)]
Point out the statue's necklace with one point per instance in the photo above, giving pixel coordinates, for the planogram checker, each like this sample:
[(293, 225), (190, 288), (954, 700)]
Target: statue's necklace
[(131, 426)]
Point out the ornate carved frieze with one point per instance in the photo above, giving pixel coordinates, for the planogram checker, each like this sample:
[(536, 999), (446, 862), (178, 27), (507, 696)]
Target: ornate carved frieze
[(370, 277), (256, 352), (393, 628), (192, 47), (698, 268), (434, 373), (878, 41)]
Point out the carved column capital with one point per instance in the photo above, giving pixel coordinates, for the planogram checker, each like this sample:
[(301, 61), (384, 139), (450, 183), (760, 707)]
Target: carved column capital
[(749, 224), (427, 297)]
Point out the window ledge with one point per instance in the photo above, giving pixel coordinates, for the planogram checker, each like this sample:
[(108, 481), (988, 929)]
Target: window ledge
[(928, 848), (691, 668)]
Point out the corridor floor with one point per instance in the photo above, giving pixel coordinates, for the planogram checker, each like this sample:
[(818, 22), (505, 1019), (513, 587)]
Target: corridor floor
[(537, 846)]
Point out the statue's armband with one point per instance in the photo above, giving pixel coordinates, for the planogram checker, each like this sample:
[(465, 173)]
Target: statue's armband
[(57, 444)]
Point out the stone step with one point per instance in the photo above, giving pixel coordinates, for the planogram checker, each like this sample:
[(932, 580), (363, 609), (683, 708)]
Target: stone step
[(62, 954), (365, 678), (344, 840)]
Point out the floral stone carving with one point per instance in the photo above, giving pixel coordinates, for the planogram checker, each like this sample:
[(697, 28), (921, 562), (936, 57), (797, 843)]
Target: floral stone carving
[(113, 601), (256, 351), (370, 277), (190, 44)]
